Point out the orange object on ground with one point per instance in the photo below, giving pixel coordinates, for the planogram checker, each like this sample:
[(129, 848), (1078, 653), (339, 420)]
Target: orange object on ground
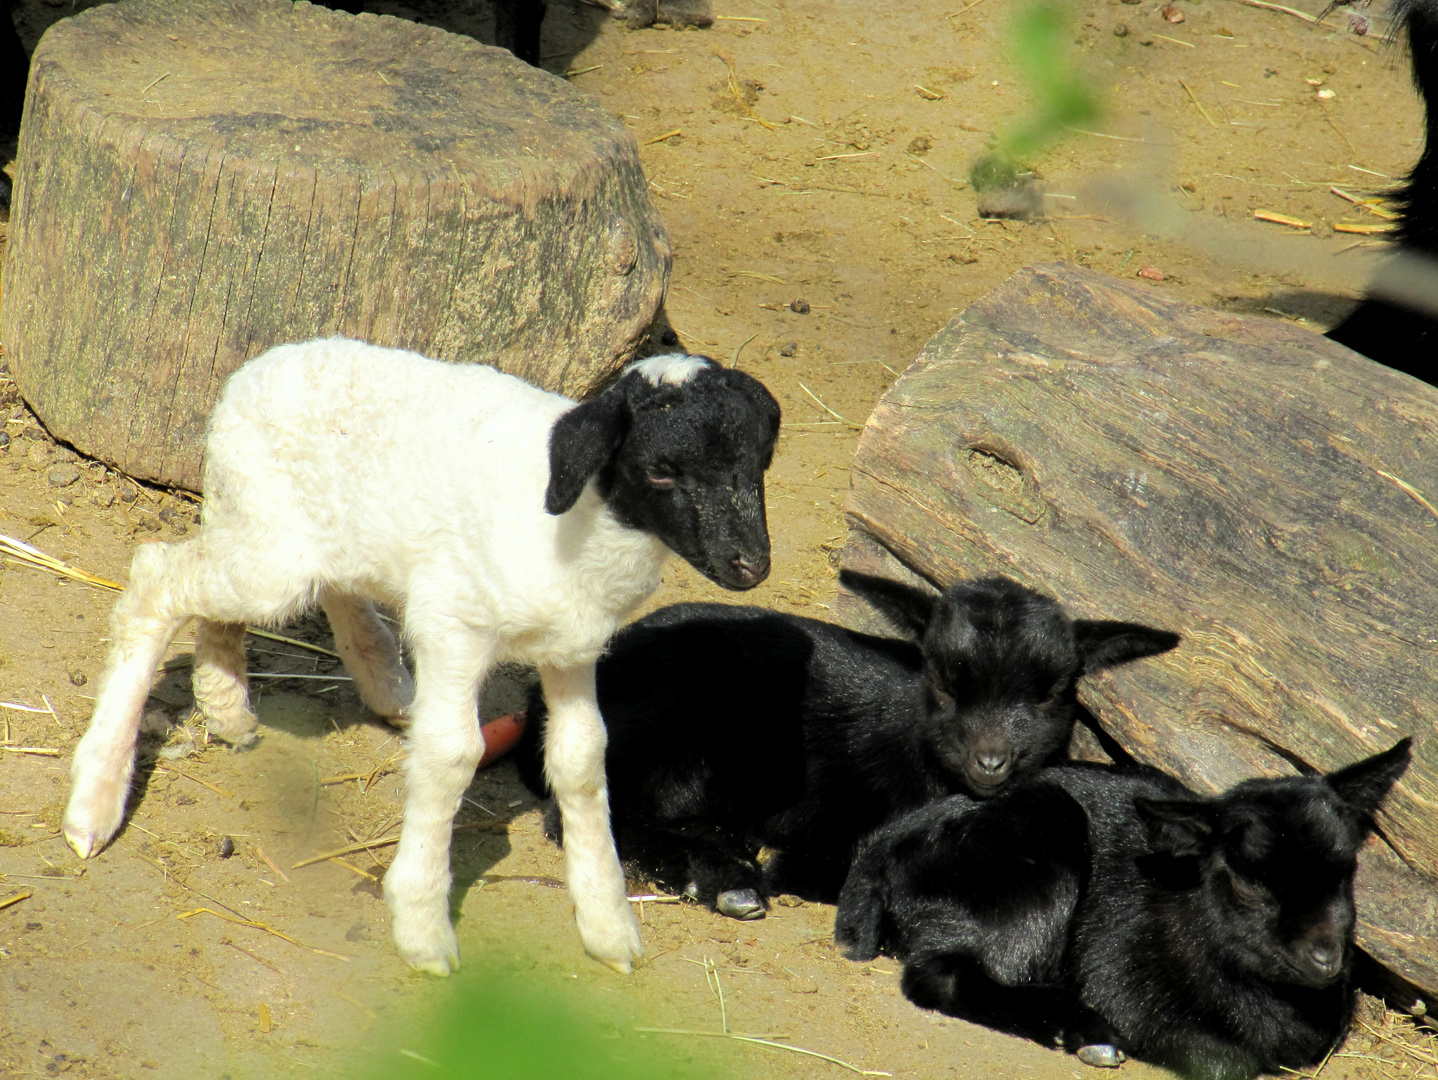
[(500, 735)]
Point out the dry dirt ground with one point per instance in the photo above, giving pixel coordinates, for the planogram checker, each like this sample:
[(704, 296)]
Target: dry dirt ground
[(798, 150)]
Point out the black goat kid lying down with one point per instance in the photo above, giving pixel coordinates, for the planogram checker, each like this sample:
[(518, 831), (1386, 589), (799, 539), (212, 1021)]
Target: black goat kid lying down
[(1118, 912), (733, 729)]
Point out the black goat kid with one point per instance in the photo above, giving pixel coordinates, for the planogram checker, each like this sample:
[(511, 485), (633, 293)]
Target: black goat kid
[(1118, 912), (733, 729)]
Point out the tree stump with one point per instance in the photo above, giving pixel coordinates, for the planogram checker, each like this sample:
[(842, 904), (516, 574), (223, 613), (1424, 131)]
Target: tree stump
[(199, 182), (1261, 490)]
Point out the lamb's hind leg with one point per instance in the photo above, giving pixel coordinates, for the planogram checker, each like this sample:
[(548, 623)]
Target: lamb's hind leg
[(370, 654), (169, 583), (221, 689), (144, 622)]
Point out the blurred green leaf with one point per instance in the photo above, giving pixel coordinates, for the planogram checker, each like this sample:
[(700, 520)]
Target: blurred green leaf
[(1062, 97)]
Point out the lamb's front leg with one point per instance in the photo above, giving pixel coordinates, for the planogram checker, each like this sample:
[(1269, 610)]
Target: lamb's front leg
[(574, 764), (444, 746)]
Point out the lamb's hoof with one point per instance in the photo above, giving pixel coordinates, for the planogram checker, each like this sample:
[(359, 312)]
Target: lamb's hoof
[(616, 945), (740, 904), (426, 944), (82, 842), (1101, 1055), (93, 816)]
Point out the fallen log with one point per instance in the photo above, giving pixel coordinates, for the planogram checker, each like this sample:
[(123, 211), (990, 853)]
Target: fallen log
[(198, 182), (1269, 494)]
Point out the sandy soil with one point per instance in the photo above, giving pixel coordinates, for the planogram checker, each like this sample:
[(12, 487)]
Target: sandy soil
[(797, 151)]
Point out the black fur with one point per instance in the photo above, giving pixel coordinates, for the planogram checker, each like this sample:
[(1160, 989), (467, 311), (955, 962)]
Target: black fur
[(1398, 336), (1091, 907), (14, 71), (683, 461), (732, 729)]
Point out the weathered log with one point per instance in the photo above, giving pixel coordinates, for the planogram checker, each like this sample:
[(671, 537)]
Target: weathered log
[(198, 182), (1263, 491)]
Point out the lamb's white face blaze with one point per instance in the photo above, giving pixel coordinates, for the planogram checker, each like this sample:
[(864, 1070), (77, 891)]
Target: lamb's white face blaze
[(672, 369)]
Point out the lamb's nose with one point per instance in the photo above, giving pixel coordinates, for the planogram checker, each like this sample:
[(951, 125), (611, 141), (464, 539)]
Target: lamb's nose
[(752, 571)]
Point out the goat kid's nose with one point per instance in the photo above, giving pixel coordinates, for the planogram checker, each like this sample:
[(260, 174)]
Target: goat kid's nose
[(993, 762), (1326, 958)]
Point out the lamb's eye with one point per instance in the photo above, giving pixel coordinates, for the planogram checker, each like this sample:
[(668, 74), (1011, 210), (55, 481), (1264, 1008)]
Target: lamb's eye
[(660, 476)]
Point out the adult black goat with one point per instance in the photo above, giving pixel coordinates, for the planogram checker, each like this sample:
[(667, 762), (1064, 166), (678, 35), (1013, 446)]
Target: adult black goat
[(1396, 334), (1117, 912), (846, 729)]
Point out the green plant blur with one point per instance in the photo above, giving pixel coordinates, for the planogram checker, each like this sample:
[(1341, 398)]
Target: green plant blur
[(1062, 97), (493, 1024)]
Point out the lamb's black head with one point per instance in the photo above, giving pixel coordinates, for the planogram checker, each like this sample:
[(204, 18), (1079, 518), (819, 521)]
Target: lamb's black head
[(678, 447), (1001, 664), (1271, 862)]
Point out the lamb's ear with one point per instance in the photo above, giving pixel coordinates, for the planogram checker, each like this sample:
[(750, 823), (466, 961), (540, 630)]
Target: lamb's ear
[(581, 443), (908, 608), (1102, 643), (1363, 784), (1176, 826)]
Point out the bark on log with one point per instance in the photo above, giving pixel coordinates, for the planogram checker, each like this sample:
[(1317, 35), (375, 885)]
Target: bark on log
[(198, 182), (1263, 491)]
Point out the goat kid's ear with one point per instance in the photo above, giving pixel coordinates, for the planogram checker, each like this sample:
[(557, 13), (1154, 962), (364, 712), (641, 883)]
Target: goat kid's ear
[(1176, 826), (1363, 785), (580, 444), (908, 608), (1102, 643)]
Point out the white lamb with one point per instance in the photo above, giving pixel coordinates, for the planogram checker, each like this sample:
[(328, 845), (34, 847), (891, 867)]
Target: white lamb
[(505, 523)]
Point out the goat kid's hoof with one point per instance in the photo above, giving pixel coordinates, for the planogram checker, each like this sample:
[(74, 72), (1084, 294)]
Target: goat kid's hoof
[(1101, 1055), (742, 904)]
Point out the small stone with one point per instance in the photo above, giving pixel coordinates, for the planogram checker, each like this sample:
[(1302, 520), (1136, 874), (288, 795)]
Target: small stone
[(152, 523), (128, 495), (62, 476), (789, 348), (920, 144), (1325, 95), (1153, 273), (78, 678), (1121, 30), (227, 847), (800, 307), (4, 440), (1172, 13), (105, 497)]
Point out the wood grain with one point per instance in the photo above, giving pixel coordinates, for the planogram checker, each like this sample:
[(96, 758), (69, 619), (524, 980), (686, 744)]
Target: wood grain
[(198, 182), (1261, 490)]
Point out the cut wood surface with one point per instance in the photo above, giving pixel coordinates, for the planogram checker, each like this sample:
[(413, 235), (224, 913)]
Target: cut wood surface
[(198, 182), (1268, 494)]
